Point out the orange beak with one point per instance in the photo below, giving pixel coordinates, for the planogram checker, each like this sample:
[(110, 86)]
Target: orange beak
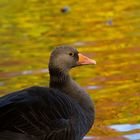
[(83, 60)]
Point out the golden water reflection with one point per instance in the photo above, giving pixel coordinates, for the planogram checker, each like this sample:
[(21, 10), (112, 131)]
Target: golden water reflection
[(107, 31)]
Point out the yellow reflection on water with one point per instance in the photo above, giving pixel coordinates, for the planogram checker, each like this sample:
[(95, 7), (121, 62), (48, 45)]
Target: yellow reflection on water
[(106, 30)]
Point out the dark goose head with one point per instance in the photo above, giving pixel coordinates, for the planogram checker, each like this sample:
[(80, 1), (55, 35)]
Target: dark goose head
[(64, 58)]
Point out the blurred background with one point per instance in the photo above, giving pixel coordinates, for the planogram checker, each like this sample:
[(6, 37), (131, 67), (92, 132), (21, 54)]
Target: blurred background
[(105, 30)]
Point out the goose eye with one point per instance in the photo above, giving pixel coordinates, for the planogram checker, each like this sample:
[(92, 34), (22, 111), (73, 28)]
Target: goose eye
[(71, 54)]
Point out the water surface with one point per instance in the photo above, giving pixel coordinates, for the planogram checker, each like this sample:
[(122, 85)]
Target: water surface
[(107, 31)]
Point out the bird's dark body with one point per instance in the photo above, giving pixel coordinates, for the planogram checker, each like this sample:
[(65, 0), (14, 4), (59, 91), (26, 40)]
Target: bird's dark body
[(40, 113), (63, 111)]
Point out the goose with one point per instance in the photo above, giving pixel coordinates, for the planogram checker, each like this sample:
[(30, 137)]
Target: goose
[(62, 111)]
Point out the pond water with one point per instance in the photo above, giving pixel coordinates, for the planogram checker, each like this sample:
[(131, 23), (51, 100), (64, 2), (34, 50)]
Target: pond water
[(105, 30)]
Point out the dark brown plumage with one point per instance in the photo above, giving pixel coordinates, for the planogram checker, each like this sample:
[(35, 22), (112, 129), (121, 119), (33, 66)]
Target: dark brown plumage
[(62, 111)]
